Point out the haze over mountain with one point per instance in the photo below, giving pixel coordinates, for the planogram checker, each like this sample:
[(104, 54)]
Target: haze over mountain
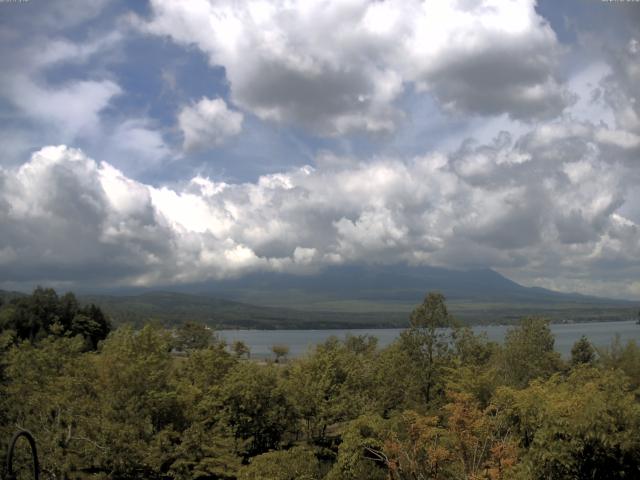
[(398, 283), (352, 297)]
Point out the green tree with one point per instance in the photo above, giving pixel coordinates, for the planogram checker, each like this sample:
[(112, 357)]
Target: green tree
[(473, 369), (333, 384), (91, 323), (192, 336), (255, 407), (529, 353), (297, 463), (582, 352), (138, 410), (280, 351), (361, 344), (48, 391), (206, 446), (428, 344), (241, 349), (360, 456), (43, 313), (206, 449), (395, 385), (32, 317), (582, 427), (624, 358)]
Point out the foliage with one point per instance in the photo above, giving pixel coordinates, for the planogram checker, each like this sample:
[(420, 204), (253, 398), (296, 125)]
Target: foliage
[(43, 313), (428, 345), (297, 463), (528, 353), (329, 386), (466, 443), (582, 427), (582, 353), (280, 351), (439, 403), (624, 358), (361, 455), (241, 349), (255, 407), (473, 369), (192, 336)]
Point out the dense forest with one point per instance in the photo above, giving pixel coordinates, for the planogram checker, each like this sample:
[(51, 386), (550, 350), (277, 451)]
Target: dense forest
[(437, 404)]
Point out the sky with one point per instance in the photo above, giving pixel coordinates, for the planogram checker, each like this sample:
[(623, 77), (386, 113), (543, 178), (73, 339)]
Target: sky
[(165, 142)]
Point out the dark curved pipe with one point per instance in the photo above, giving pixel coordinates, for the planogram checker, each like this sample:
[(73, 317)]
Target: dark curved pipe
[(34, 454)]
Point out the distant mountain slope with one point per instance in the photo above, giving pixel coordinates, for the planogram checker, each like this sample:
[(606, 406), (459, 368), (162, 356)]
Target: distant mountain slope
[(352, 296), (6, 296), (392, 284), (172, 308)]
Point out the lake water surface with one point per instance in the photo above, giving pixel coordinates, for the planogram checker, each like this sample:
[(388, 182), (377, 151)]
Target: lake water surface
[(301, 341)]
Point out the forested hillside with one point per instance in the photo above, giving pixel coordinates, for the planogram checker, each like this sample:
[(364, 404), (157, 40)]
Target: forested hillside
[(436, 404), (354, 296)]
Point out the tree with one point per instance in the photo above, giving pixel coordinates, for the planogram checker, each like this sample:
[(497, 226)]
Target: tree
[(331, 385), (529, 353), (583, 426), (241, 349), (466, 442), (361, 456), (361, 344), (473, 369), (624, 358), (395, 384), (417, 448), (206, 449), (297, 463), (255, 407), (32, 317), (192, 336), (43, 313), (206, 446), (428, 344), (481, 449), (280, 351), (138, 409), (49, 392), (582, 352), (92, 324)]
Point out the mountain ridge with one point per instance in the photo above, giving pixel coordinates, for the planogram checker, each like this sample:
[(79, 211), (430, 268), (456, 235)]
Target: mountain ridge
[(398, 283), (350, 297)]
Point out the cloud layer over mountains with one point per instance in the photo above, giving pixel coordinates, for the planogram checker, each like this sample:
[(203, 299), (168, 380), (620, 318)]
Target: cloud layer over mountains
[(512, 205), (176, 142)]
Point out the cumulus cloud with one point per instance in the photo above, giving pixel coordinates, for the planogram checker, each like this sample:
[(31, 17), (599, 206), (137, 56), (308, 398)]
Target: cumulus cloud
[(622, 87), (60, 223), (336, 67), (55, 89), (547, 205), (54, 16), (208, 123), (71, 108)]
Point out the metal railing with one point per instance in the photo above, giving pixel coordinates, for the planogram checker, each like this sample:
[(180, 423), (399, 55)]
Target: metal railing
[(8, 471)]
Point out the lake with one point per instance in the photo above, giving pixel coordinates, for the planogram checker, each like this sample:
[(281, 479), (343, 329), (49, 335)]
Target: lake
[(301, 341)]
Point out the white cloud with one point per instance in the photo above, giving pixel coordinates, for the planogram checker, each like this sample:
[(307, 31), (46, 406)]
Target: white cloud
[(68, 109), (135, 144), (622, 87), (338, 67), (66, 217), (208, 123), (72, 109), (52, 16)]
